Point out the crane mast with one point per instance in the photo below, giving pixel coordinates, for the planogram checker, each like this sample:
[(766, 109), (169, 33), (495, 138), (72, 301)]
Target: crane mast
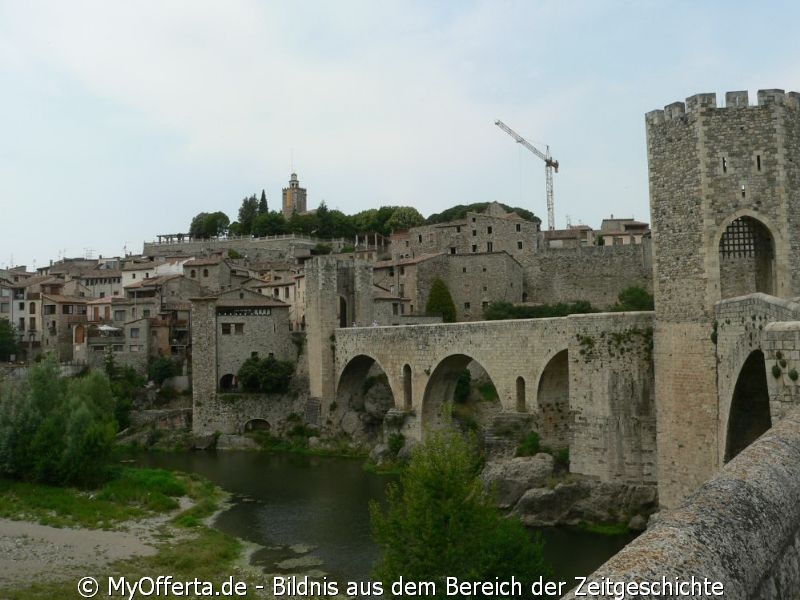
[(549, 166)]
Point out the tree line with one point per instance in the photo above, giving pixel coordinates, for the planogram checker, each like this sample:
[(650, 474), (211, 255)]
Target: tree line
[(256, 219)]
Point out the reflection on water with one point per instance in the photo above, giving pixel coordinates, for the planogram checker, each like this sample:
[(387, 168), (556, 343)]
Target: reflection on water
[(313, 512)]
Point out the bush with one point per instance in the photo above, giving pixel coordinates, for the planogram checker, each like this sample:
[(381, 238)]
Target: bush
[(634, 298), (265, 375), (439, 522), (162, 368), (530, 445), (505, 310), (461, 393), (396, 443), (56, 431)]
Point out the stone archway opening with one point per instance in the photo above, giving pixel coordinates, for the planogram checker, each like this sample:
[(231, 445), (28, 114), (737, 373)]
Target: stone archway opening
[(746, 258), (749, 415), (227, 383), (342, 312), (521, 402), (461, 383), (553, 402), (407, 395), (363, 397), (257, 425)]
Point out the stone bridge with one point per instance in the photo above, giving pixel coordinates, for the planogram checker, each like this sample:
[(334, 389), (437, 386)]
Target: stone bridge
[(586, 380)]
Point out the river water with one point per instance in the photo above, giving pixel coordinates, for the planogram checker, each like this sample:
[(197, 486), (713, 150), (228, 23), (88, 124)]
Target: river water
[(313, 511)]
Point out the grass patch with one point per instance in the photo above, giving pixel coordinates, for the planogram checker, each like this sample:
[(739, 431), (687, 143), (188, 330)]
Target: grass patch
[(130, 494)]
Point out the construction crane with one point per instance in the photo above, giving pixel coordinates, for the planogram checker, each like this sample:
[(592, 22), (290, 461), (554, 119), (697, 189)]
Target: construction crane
[(549, 166)]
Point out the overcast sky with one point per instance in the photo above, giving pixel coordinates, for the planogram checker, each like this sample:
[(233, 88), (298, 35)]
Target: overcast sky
[(121, 121)]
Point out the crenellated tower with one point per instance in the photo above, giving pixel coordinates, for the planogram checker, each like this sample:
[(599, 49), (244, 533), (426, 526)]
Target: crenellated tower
[(725, 215)]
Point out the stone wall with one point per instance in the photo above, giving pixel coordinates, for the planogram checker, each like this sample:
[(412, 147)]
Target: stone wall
[(741, 528), (266, 248), (593, 273)]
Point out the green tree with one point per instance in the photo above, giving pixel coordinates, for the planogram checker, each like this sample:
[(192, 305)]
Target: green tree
[(440, 302), (8, 340), (263, 207), (270, 223), (404, 217), (207, 225), (57, 431), (265, 375), (440, 523), (248, 212)]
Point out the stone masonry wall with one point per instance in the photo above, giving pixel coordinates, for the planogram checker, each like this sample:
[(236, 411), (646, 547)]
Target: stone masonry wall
[(741, 528), (709, 166), (594, 273)]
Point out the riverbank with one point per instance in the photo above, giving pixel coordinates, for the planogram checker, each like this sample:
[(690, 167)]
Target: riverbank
[(144, 523)]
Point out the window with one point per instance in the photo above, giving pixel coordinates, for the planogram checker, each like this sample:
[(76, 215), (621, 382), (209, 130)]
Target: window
[(286, 292), (485, 288), (458, 228), (134, 332), (474, 248), (406, 243), (50, 309), (473, 219), (117, 348), (22, 306), (488, 246), (466, 305), (254, 354), (68, 309), (192, 273), (758, 162), (724, 165), (489, 229), (32, 323), (452, 249), (519, 226), (32, 308), (146, 312), (474, 232), (21, 324), (519, 245), (205, 272), (484, 269), (226, 329), (102, 294), (395, 309), (419, 238), (119, 315), (484, 304), (463, 269), (133, 275), (135, 348), (238, 328), (402, 270), (4, 307)]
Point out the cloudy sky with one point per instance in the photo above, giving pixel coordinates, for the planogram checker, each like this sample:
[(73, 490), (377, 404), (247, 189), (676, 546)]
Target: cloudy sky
[(120, 121)]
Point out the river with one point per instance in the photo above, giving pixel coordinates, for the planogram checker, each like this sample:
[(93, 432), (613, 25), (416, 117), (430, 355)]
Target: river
[(313, 512)]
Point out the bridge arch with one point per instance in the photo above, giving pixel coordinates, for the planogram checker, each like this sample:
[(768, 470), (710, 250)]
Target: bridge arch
[(746, 245), (358, 376), (552, 400), (749, 414), (441, 386), (227, 382), (256, 425)]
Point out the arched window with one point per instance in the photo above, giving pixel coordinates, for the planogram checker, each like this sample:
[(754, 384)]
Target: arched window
[(746, 258)]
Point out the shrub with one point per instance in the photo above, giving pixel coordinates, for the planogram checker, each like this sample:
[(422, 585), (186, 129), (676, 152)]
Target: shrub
[(162, 368), (461, 393), (439, 522), (396, 443), (530, 445), (634, 298), (497, 311)]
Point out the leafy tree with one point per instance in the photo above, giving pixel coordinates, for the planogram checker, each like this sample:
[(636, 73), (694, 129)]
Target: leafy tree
[(404, 217), (8, 340), (57, 431), (265, 375), (248, 212), (460, 211), (634, 298), (440, 302), (325, 223), (440, 523), (208, 225), (270, 223)]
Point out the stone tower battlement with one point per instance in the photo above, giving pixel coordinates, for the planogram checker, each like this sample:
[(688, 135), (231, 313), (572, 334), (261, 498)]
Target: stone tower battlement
[(725, 217), (733, 100)]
